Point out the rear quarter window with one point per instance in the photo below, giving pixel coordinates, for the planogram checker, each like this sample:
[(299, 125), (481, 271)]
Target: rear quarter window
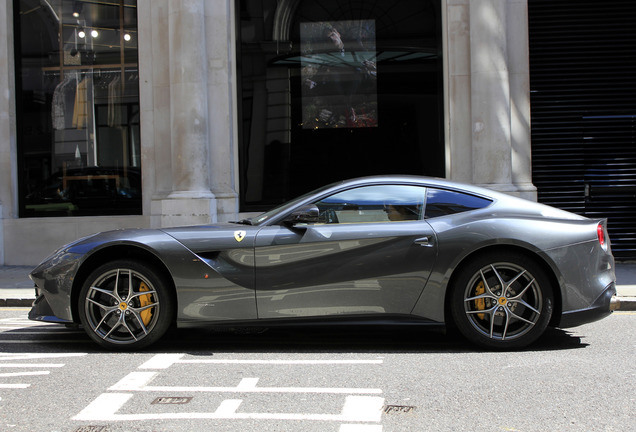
[(441, 202)]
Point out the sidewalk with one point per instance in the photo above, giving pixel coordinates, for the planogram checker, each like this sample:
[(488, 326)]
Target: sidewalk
[(16, 289)]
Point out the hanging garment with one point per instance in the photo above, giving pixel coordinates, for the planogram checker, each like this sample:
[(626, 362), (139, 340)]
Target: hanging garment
[(61, 95), (114, 99), (81, 109)]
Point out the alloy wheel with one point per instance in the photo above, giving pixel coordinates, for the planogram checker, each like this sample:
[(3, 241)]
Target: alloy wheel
[(121, 306)]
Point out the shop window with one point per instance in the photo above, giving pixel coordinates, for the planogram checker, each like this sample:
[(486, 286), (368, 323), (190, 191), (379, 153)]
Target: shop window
[(78, 107), (335, 89)]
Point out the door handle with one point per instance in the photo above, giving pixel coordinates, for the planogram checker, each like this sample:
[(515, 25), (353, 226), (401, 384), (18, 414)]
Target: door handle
[(424, 241)]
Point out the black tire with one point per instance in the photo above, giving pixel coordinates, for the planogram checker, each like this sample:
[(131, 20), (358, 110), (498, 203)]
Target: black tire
[(124, 305), (502, 300)]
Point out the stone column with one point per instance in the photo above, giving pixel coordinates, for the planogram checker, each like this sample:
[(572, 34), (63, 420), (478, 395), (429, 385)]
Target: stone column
[(191, 201), (519, 65), (223, 154), (189, 102), (490, 104), (8, 148), (488, 90)]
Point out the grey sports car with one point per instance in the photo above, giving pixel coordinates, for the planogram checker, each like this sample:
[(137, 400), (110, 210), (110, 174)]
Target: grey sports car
[(379, 249)]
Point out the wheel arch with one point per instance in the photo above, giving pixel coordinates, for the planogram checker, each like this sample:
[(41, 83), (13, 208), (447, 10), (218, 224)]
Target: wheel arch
[(112, 253), (538, 259)]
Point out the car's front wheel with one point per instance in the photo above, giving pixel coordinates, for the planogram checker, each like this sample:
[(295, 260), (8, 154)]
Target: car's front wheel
[(502, 300), (125, 305)]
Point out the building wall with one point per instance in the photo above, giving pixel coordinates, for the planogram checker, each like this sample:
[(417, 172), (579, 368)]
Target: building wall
[(189, 120)]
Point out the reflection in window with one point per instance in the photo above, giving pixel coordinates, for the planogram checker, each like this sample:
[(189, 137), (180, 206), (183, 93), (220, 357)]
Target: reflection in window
[(388, 203), (336, 89), (78, 120), (338, 74), (444, 202)]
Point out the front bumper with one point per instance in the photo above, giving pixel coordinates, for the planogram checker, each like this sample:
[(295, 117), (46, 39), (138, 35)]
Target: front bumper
[(41, 311), (600, 309)]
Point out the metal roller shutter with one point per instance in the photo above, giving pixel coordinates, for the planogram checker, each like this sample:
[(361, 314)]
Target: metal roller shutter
[(583, 105)]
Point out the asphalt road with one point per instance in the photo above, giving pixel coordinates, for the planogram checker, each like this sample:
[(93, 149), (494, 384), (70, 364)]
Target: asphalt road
[(369, 379)]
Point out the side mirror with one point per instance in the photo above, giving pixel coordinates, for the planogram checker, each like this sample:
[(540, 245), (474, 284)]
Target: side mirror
[(305, 214)]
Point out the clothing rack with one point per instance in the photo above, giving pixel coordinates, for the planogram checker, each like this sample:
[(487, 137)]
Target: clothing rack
[(118, 66), (84, 77)]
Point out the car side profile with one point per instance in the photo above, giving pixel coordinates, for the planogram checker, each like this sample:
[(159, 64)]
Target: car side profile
[(403, 249)]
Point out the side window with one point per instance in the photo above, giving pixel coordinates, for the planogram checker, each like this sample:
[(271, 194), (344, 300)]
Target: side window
[(443, 202), (386, 203)]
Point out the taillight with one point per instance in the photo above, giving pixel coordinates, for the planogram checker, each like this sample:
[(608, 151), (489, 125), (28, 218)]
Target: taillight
[(600, 231)]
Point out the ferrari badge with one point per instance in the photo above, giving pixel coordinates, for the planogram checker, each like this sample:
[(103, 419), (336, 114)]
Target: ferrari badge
[(239, 235)]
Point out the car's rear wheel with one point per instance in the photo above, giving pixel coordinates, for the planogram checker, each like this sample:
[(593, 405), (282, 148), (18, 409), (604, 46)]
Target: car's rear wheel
[(502, 300), (125, 305)]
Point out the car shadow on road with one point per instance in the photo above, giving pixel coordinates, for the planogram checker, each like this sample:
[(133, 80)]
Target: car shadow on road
[(306, 339), (330, 339)]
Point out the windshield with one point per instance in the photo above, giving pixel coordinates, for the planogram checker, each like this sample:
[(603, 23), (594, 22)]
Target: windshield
[(264, 217)]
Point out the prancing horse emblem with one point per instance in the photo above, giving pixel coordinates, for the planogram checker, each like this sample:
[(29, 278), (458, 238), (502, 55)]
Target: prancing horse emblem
[(239, 235)]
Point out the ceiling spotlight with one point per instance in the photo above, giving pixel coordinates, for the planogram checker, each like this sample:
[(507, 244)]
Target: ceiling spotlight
[(77, 8), (94, 33), (127, 37), (81, 33)]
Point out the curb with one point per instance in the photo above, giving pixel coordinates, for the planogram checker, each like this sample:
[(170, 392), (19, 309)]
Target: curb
[(16, 302)]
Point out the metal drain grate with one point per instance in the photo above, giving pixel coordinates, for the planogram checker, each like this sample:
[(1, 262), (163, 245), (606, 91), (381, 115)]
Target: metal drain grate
[(91, 429), (170, 400), (398, 409)]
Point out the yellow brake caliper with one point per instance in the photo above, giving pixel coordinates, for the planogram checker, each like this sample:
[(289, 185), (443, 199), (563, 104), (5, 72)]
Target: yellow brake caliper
[(480, 304), (145, 300)]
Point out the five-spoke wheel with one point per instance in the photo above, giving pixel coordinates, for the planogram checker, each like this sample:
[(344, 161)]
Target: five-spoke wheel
[(125, 305), (502, 300)]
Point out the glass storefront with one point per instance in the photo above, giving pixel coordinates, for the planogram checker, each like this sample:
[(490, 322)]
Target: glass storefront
[(77, 107), (333, 89)]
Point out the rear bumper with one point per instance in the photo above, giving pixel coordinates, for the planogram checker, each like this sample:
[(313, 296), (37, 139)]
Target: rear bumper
[(598, 310)]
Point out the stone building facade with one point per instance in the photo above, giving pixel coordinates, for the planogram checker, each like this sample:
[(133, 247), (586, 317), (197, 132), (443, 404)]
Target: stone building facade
[(191, 73)]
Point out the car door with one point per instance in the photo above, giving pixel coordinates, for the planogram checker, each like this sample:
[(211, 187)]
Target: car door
[(371, 253)]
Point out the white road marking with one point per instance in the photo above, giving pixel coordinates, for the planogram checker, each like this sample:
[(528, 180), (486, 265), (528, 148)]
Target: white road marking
[(16, 374), (137, 381), (18, 331), (359, 405), (284, 362), (105, 406), (11, 357), (360, 428), (31, 365), (356, 409), (164, 361), (228, 407), (161, 361), (247, 384), (47, 327), (34, 356), (134, 381), (42, 341), (14, 386), (25, 323)]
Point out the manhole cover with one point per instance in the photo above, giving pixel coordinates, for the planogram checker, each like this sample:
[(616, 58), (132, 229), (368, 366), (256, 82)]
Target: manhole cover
[(91, 429), (398, 409), (171, 400)]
